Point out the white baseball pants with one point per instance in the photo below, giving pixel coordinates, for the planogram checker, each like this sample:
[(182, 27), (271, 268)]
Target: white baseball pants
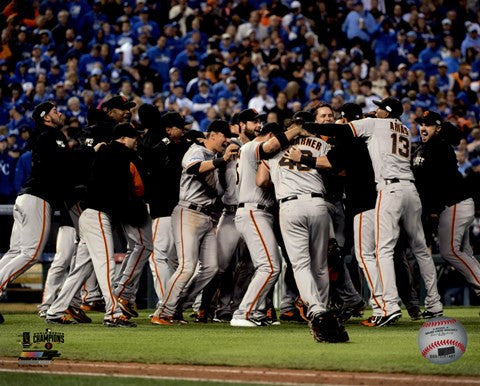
[(399, 203)]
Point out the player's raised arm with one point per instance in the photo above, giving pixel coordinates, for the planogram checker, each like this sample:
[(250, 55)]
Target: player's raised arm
[(339, 131), (218, 132), (281, 140)]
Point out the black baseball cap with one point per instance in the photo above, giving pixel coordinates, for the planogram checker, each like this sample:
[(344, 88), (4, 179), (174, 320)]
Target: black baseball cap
[(306, 116), (248, 115), (351, 111), (118, 102), (271, 127), (392, 105), (173, 119), (220, 126), (430, 118), (125, 130), (41, 110)]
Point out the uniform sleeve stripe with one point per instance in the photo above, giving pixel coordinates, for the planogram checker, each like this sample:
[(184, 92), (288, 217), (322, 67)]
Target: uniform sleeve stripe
[(191, 164), (265, 164), (353, 129)]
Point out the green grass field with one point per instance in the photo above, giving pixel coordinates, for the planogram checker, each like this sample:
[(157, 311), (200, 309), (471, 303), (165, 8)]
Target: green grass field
[(390, 349)]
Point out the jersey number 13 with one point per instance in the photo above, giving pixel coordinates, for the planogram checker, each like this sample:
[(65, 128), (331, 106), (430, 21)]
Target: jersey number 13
[(400, 145)]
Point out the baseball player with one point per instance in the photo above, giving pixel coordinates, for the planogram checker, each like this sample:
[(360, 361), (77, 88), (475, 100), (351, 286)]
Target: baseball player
[(193, 228), (254, 218), (164, 148), (388, 143), (41, 194), (361, 196), (110, 192), (342, 291), (228, 238), (101, 124), (444, 194), (304, 223)]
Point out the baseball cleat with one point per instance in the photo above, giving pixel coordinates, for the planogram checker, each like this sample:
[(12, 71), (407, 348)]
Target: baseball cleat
[(121, 321), (291, 316), (325, 327), (250, 322), (370, 322), (302, 308), (414, 312), (389, 319), (97, 305), (64, 319), (225, 318), (272, 317), (430, 315), (200, 317), (162, 320), (78, 315), (128, 308), (42, 314)]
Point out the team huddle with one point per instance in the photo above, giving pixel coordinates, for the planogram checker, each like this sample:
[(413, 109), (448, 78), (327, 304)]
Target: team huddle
[(216, 215)]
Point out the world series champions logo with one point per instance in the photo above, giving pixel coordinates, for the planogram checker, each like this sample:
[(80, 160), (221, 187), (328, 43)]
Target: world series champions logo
[(38, 347)]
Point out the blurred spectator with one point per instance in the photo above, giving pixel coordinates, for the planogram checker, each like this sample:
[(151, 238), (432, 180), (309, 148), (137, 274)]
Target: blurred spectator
[(7, 168)]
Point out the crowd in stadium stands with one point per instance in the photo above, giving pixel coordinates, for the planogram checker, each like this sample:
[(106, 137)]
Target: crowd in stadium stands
[(210, 59)]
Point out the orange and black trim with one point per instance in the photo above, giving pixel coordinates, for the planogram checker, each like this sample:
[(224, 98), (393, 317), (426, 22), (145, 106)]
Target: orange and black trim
[(376, 251), (369, 278), (107, 254), (37, 249), (136, 263), (152, 256), (452, 246), (354, 131), (262, 289)]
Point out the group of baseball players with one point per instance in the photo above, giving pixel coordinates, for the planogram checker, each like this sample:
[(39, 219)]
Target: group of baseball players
[(214, 214)]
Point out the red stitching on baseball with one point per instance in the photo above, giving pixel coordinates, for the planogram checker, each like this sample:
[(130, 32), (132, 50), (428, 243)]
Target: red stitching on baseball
[(439, 323)]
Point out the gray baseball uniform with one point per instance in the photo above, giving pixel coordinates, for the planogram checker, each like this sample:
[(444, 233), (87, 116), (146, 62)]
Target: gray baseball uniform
[(389, 146), (454, 241), (164, 257), (304, 221), (254, 222), (140, 247), (193, 232), (31, 227), (364, 240), (65, 250)]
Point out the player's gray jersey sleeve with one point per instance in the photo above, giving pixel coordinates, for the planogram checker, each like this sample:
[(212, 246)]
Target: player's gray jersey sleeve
[(248, 191), (198, 189), (290, 178), (389, 146)]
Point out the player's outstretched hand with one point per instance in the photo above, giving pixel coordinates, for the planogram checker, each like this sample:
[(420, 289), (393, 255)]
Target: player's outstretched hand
[(293, 154), (231, 152)]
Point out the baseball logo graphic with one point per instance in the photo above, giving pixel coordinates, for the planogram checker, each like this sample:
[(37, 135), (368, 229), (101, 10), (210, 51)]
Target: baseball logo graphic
[(442, 340)]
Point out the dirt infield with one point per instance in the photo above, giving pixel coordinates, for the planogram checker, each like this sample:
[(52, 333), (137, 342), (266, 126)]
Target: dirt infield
[(233, 374)]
